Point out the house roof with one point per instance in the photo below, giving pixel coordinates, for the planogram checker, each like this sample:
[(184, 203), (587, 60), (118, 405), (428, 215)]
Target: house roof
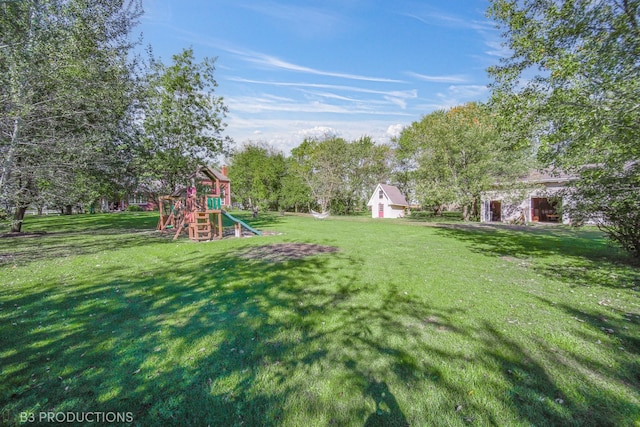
[(542, 176), (539, 176), (394, 195)]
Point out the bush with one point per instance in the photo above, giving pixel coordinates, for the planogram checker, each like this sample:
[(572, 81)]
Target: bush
[(134, 208), (420, 215), (611, 199), (430, 216)]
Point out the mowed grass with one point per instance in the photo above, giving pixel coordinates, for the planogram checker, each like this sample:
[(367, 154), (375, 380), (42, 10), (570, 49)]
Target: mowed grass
[(406, 324)]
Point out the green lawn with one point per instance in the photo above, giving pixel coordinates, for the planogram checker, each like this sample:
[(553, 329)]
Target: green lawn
[(405, 324)]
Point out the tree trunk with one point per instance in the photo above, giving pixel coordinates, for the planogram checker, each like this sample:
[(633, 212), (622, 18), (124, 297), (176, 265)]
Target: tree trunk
[(68, 209), (476, 207), (465, 213), (18, 217), (7, 165)]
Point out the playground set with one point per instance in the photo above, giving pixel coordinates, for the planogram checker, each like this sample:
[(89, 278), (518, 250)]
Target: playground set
[(198, 209)]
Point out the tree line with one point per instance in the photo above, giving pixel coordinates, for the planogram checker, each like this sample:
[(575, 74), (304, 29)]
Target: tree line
[(447, 159), (327, 173)]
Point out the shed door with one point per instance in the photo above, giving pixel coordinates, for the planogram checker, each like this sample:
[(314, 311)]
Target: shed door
[(380, 210), (496, 210)]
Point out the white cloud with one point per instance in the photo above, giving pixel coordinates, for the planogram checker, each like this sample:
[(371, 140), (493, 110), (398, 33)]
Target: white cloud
[(285, 134), (272, 62), (329, 95), (451, 21), (268, 103), (317, 132), (496, 49), (394, 131), (454, 78), (470, 92), (400, 102), (410, 93)]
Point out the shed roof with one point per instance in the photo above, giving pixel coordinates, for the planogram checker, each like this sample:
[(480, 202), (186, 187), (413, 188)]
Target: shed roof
[(394, 195)]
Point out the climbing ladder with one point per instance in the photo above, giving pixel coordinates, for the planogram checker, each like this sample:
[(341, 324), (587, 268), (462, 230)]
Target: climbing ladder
[(200, 228)]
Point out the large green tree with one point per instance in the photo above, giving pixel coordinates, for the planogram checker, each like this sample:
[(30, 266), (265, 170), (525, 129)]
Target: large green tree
[(65, 89), (365, 165), (320, 163), (295, 194), (455, 155), (340, 174), (183, 121), (569, 88), (256, 172)]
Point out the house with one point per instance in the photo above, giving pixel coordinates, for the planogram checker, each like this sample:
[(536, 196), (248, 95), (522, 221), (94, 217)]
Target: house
[(538, 197), (387, 202)]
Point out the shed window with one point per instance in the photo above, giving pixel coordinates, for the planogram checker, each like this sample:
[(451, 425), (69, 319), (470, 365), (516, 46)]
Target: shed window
[(381, 194)]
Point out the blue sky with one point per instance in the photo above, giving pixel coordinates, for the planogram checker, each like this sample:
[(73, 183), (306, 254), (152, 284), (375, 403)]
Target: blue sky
[(294, 69)]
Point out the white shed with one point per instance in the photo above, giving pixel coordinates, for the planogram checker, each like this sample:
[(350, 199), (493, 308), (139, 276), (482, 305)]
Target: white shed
[(387, 202)]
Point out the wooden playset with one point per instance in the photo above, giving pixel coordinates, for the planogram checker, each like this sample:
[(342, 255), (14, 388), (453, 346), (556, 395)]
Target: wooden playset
[(198, 209)]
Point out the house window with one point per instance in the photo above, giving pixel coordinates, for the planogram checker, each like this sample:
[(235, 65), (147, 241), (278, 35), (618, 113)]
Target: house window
[(137, 199), (381, 194)]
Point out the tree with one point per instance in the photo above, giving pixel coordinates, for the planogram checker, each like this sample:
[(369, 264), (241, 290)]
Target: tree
[(569, 89), (365, 165), (295, 194), (320, 163), (457, 154), (256, 172), (339, 174), (614, 199), (65, 86), (182, 124), (403, 167)]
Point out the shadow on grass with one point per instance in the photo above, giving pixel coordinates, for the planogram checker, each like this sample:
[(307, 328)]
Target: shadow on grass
[(608, 326), (539, 398), (226, 340), (575, 257), (387, 411), (50, 237), (75, 235), (23, 250), (113, 222)]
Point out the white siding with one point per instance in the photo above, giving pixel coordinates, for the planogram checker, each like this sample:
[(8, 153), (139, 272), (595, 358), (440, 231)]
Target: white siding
[(517, 202), (389, 211)]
